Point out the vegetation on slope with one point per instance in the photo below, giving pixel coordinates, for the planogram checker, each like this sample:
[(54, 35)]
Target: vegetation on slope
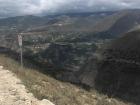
[(60, 93), (119, 71)]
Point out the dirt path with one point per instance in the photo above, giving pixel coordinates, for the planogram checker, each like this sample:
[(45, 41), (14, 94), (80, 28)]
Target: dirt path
[(13, 92), (123, 61)]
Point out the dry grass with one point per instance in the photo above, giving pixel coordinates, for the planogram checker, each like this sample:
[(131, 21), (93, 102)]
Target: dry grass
[(60, 93), (44, 86)]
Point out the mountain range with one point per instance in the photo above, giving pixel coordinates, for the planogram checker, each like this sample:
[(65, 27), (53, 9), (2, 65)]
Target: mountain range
[(80, 47)]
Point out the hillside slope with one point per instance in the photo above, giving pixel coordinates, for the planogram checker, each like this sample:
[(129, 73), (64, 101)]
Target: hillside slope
[(118, 73), (44, 86)]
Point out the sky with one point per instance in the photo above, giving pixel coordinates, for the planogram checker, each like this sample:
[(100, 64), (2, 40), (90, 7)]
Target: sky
[(36, 7)]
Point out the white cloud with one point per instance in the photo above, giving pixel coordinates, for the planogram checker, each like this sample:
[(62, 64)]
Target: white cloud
[(23, 7)]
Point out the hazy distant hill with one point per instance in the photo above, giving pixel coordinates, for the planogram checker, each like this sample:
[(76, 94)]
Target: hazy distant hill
[(102, 24)]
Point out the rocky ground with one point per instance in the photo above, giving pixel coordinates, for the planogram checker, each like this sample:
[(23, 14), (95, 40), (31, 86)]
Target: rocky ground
[(13, 92)]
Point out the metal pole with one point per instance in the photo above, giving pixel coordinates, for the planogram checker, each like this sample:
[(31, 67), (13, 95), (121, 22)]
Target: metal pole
[(21, 56), (21, 50)]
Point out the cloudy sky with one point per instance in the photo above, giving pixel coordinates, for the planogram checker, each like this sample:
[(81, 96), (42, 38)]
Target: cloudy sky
[(27, 7)]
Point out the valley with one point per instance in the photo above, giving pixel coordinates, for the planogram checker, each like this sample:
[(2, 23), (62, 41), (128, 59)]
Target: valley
[(94, 50)]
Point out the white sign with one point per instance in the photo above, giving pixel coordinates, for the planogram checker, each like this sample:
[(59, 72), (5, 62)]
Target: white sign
[(20, 40)]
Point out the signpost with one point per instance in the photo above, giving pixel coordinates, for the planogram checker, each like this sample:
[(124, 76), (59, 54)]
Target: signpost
[(20, 45)]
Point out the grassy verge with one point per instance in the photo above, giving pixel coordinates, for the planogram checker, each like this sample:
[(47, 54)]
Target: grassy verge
[(60, 93)]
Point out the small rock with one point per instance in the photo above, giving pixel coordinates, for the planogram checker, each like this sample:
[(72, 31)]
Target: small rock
[(94, 97), (19, 82), (46, 102), (1, 67)]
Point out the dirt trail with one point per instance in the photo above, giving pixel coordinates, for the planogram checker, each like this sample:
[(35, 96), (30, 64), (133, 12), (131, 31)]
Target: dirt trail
[(123, 61), (13, 92)]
